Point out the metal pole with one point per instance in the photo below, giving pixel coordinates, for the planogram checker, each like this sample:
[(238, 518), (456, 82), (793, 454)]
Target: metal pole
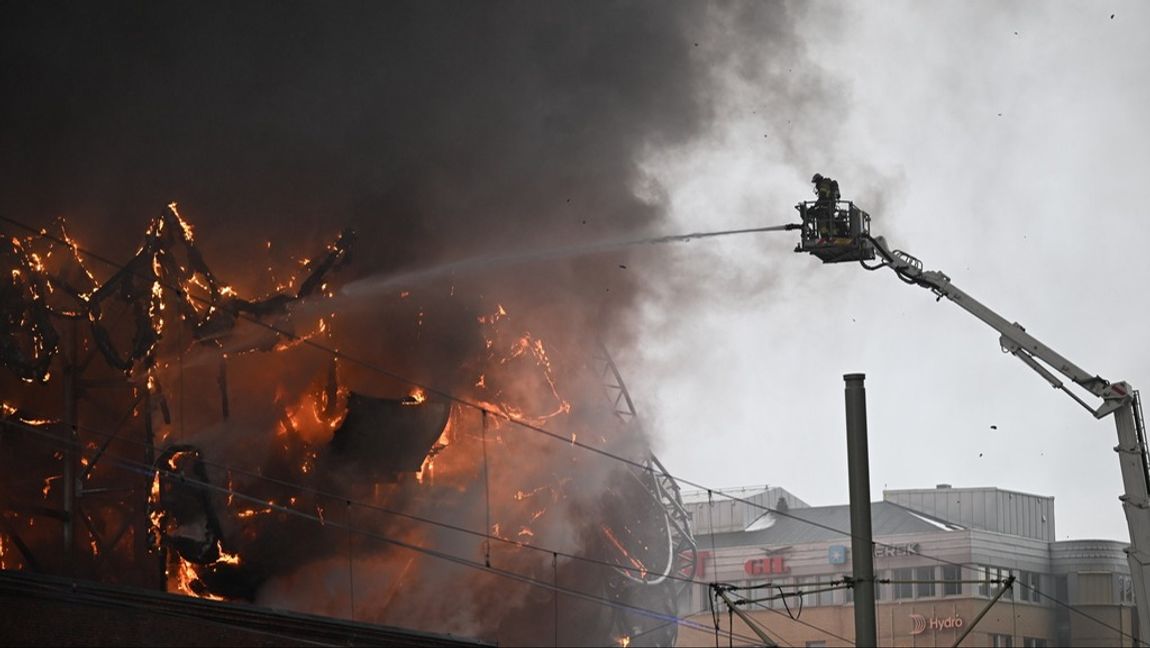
[(1006, 585), (71, 451), (767, 641), (862, 542)]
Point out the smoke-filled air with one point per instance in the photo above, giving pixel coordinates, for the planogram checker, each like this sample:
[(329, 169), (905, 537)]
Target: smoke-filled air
[(316, 303)]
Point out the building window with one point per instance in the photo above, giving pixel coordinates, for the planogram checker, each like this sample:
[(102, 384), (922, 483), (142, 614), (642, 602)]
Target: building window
[(1125, 590), (781, 587), (1033, 642), (1001, 641), (879, 587), (990, 579), (951, 576), (807, 586), (770, 591), (1028, 583), (848, 592), (924, 587), (827, 597), (1095, 588), (900, 587)]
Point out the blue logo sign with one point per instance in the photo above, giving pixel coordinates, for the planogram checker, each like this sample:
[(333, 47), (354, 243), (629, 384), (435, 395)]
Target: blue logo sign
[(837, 555)]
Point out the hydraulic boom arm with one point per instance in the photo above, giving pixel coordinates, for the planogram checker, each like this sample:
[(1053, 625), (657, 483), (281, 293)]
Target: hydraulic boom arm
[(1118, 398), (1014, 338)]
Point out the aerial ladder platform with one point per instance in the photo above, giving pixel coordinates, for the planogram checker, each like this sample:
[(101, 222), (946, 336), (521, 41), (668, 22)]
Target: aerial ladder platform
[(837, 231)]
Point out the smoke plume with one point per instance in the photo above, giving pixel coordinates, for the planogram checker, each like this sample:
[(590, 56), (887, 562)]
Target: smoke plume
[(440, 132)]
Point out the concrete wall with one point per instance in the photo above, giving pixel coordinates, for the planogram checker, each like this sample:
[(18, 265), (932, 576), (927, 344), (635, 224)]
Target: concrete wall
[(896, 624), (987, 509), (726, 515)]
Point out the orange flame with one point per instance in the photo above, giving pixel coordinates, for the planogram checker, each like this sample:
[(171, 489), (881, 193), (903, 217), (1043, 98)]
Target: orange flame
[(635, 562)]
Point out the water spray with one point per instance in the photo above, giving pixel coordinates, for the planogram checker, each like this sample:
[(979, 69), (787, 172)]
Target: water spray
[(376, 284)]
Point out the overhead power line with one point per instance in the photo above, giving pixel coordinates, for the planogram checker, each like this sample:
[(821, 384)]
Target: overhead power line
[(430, 389), (173, 477)]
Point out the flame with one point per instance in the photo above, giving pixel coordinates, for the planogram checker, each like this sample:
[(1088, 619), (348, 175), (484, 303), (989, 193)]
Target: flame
[(308, 463), (225, 557), (492, 318), (183, 224), (185, 580), (247, 513), (288, 342), (517, 371), (522, 495), (32, 421), (155, 515), (309, 419), (425, 472), (623, 642), (635, 562), (8, 410), (48, 485)]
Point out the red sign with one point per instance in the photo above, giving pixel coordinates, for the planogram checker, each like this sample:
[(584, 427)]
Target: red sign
[(766, 566), (700, 568)]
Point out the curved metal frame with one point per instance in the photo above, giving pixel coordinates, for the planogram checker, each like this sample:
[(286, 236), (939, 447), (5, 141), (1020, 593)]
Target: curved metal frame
[(682, 551)]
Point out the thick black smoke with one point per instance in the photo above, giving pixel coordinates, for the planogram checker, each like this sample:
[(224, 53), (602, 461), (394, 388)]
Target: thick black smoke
[(438, 130)]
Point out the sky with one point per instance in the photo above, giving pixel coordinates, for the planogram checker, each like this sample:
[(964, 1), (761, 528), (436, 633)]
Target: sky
[(1004, 145)]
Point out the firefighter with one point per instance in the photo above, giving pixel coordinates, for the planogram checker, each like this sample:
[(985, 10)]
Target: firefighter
[(826, 189), (827, 193)]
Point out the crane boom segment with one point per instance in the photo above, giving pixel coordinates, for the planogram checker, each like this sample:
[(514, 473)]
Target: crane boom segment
[(1014, 338)]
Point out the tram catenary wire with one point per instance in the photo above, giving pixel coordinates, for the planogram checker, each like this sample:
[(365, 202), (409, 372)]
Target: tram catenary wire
[(145, 469), (335, 353)]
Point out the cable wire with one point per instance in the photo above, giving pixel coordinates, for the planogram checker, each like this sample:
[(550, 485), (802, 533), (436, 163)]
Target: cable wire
[(480, 407), (174, 477), (807, 624), (77, 594), (304, 489), (1075, 610)]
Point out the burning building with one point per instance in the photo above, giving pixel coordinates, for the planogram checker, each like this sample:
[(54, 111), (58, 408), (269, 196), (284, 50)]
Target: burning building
[(163, 430), (202, 412)]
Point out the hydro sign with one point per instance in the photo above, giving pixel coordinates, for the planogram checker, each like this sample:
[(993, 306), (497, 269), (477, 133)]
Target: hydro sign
[(922, 623)]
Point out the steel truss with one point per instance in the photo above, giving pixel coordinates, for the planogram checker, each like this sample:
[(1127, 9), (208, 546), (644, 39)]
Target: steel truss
[(662, 588)]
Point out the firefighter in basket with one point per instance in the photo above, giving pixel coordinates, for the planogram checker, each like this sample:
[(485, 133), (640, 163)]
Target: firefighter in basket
[(826, 197)]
